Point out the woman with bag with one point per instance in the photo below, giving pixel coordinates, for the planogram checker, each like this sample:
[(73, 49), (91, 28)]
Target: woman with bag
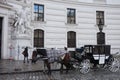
[(25, 53)]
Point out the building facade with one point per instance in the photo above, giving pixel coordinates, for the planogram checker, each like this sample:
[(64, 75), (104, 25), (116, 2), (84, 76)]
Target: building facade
[(56, 24)]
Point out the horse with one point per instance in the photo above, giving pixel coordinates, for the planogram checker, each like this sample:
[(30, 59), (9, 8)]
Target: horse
[(66, 62), (52, 55)]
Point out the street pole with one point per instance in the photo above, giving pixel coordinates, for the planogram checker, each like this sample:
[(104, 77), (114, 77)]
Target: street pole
[(18, 67)]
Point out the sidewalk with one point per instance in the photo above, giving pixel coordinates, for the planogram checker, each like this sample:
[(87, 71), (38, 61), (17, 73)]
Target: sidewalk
[(14, 66)]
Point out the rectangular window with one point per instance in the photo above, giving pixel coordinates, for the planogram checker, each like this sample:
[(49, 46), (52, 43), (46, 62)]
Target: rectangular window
[(100, 16), (71, 16), (38, 12)]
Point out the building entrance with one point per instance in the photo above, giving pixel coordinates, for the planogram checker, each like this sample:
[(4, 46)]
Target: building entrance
[(1, 19)]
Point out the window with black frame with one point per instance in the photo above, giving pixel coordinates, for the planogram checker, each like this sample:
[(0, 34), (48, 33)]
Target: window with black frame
[(38, 12), (38, 38), (71, 39), (100, 16), (71, 16)]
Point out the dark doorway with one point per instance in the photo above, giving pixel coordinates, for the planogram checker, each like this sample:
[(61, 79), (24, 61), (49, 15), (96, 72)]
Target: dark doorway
[(1, 19)]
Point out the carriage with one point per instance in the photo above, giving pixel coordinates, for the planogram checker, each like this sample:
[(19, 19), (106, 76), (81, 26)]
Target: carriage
[(85, 58), (96, 56)]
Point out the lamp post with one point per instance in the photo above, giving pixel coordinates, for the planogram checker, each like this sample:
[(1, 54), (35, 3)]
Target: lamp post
[(100, 25), (18, 65), (100, 35)]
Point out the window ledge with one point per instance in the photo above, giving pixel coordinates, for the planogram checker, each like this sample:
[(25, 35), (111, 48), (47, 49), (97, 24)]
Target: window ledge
[(71, 24)]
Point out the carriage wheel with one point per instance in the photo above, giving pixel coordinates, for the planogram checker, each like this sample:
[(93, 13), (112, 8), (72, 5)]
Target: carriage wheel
[(85, 66), (114, 66)]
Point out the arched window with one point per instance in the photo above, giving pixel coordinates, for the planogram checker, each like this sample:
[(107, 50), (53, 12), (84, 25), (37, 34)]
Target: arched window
[(38, 38), (71, 39)]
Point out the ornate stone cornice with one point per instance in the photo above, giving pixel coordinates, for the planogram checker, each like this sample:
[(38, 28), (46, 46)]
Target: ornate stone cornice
[(19, 2), (5, 5)]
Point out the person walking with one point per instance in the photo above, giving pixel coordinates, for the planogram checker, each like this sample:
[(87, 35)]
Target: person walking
[(25, 53)]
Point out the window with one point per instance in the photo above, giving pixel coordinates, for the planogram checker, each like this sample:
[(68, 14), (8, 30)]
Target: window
[(100, 16), (38, 12), (71, 16), (38, 38), (71, 39)]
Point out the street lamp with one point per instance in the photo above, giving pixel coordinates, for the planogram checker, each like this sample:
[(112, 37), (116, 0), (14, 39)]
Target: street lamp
[(100, 35), (100, 25)]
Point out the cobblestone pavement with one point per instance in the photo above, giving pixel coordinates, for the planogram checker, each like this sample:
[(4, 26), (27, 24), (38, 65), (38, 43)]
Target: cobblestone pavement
[(71, 75), (29, 71)]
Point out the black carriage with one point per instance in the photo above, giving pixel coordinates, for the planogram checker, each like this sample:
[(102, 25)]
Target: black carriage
[(96, 56)]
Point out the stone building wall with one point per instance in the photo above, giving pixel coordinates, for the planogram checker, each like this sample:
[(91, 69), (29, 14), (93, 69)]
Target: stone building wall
[(55, 24)]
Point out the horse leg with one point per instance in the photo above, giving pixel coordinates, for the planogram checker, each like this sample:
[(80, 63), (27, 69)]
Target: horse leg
[(61, 68), (67, 67), (65, 63), (48, 66)]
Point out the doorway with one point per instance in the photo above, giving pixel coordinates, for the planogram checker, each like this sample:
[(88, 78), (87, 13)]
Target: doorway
[(1, 19)]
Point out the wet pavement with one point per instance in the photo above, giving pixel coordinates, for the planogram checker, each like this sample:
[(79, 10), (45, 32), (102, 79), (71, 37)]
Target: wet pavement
[(56, 75), (14, 66), (17, 70)]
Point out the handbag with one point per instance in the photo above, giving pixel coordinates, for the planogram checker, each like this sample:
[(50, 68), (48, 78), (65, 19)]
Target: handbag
[(23, 52)]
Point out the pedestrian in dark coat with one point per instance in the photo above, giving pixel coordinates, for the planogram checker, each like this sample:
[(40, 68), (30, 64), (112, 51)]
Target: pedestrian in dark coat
[(25, 53)]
